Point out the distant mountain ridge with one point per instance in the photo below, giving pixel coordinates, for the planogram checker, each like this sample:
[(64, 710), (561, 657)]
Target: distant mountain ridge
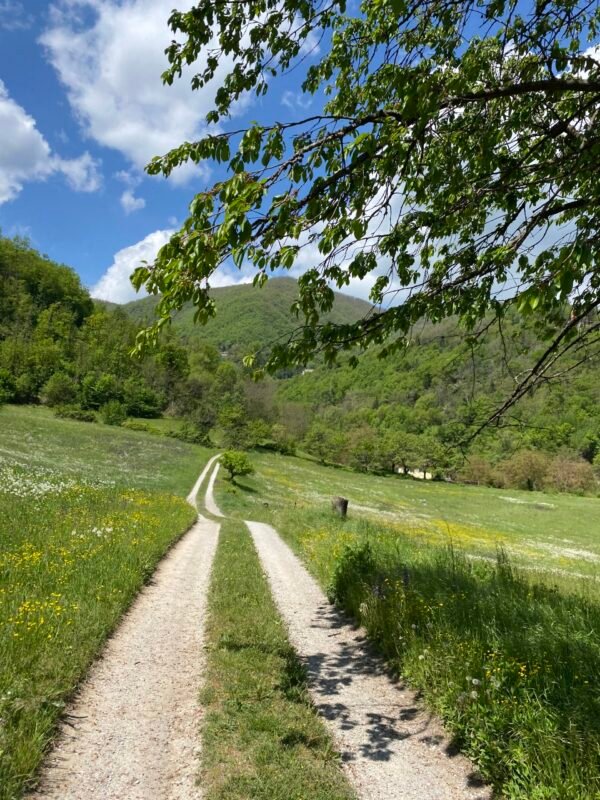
[(247, 316)]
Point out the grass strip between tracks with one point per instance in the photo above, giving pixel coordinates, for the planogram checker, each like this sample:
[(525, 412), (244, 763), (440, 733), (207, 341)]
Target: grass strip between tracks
[(262, 737)]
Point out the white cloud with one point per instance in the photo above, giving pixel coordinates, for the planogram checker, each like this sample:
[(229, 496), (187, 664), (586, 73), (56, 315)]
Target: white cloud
[(296, 100), (115, 284), (112, 68), (130, 202), (13, 16), (82, 174), (128, 178), (229, 275), (26, 155)]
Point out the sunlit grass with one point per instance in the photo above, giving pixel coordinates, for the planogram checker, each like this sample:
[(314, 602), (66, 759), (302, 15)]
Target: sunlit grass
[(507, 655), (551, 532), (78, 538), (33, 437)]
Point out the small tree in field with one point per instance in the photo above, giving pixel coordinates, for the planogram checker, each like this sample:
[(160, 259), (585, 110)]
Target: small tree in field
[(236, 464)]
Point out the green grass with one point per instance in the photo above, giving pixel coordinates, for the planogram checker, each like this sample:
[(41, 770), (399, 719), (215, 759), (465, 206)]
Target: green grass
[(552, 532), (511, 666), (86, 512), (262, 738), (33, 437), (508, 658)]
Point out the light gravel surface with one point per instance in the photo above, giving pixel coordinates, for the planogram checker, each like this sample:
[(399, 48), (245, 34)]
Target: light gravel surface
[(132, 732), (192, 497), (209, 499), (392, 748)]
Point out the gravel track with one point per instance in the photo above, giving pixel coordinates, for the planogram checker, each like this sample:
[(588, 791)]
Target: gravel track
[(392, 748), (209, 499), (132, 732)]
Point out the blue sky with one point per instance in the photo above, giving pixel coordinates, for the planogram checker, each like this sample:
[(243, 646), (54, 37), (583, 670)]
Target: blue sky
[(82, 110)]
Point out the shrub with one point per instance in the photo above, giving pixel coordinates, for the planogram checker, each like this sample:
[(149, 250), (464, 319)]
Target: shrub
[(7, 386), (26, 389), (74, 412), (570, 475), (59, 390), (478, 471), (354, 573), (190, 432), (135, 425), (141, 401), (113, 413), (236, 463), (526, 469), (282, 441), (233, 420), (99, 390)]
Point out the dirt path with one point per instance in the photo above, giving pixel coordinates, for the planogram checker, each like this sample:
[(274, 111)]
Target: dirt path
[(132, 731), (209, 498), (192, 497), (391, 747)]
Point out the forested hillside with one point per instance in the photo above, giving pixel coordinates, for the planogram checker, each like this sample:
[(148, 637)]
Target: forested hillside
[(248, 318), (59, 348), (418, 408), (414, 410)]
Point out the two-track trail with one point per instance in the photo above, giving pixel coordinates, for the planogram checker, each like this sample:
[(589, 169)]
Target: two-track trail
[(132, 732), (391, 747)]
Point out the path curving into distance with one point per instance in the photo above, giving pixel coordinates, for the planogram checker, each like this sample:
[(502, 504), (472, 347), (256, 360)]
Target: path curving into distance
[(132, 732), (392, 748), (209, 498)]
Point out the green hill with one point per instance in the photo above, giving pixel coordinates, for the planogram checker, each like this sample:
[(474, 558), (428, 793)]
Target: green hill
[(246, 315), (440, 387)]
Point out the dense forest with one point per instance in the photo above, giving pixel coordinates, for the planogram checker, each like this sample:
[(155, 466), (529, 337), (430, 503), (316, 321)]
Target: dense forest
[(419, 408), (60, 348), (412, 411)]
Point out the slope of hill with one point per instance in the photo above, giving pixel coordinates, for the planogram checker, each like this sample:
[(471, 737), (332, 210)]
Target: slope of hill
[(444, 387), (247, 316), (440, 387)]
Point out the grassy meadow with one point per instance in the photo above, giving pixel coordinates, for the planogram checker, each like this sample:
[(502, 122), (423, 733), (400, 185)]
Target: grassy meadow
[(546, 532), (508, 657), (86, 512)]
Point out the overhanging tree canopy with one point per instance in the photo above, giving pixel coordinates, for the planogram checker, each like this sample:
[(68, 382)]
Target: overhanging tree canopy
[(455, 162)]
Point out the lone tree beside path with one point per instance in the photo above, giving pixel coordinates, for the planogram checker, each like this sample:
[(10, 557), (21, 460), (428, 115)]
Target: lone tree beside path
[(454, 164), (236, 463)]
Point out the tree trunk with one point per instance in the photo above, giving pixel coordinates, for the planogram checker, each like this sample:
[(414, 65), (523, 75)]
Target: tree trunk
[(340, 505)]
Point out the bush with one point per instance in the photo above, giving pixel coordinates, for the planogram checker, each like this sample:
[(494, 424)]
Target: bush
[(236, 463), (74, 412), (478, 471), (7, 386), (135, 425), (526, 469), (141, 401), (26, 389), (189, 432), (281, 441), (99, 390), (59, 390), (353, 575), (570, 475), (113, 413)]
